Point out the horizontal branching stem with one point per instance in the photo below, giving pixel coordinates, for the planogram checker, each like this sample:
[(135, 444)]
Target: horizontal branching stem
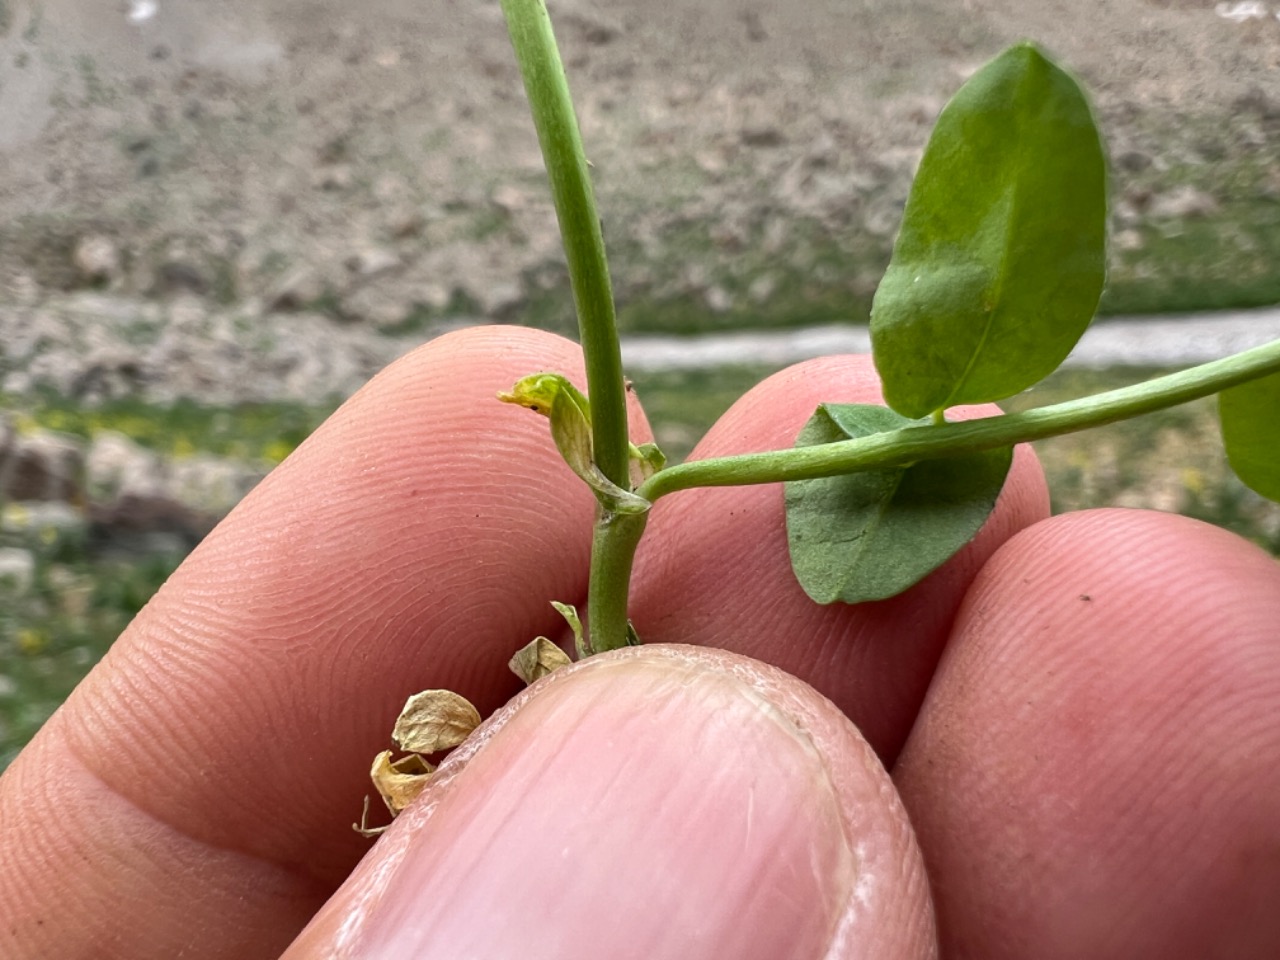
[(937, 441)]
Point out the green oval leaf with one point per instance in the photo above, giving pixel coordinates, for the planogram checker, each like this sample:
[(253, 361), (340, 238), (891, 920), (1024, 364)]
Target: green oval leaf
[(871, 535), (1001, 259), (1250, 415)]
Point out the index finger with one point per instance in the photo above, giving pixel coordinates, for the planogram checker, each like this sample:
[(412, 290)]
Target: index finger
[(194, 796)]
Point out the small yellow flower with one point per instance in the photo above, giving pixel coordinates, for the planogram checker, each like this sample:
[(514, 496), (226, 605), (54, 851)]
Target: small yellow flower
[(32, 641), (277, 450)]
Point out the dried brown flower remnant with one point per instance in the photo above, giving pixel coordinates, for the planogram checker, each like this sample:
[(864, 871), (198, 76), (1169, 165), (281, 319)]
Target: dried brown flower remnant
[(398, 782), (434, 720), (536, 659)]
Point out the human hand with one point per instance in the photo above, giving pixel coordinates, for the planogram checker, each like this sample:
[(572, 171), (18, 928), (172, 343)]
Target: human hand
[(1088, 777)]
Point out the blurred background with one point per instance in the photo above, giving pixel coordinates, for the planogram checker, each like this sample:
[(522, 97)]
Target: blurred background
[(218, 219)]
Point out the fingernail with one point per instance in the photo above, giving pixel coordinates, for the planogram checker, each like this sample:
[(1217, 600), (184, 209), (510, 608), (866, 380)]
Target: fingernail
[(642, 806)]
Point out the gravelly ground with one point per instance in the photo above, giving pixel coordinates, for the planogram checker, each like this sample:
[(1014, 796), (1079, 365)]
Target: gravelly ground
[(223, 195)]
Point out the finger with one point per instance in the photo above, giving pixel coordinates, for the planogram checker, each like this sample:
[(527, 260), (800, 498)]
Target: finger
[(1096, 767), (659, 802), (714, 569), (194, 797)]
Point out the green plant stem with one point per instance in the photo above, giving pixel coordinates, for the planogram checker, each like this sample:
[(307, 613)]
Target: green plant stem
[(936, 441), (613, 549), (614, 543), (566, 161)]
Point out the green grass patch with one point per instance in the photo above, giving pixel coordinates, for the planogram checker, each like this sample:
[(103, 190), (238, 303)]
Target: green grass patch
[(256, 432), (55, 630), (683, 404), (1226, 260), (1219, 263)]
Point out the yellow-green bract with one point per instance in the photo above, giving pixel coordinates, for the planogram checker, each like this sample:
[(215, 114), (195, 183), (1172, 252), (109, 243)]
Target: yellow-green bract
[(569, 410)]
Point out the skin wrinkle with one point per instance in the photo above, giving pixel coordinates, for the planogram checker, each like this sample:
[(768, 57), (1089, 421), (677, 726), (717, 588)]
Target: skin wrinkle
[(167, 752), (146, 833), (128, 695)]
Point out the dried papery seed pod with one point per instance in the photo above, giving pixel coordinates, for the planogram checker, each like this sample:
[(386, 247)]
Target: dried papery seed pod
[(535, 660), (398, 783), (434, 720)]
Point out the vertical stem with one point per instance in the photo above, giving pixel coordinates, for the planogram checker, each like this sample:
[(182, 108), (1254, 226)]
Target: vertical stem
[(613, 549), (616, 536), (553, 116)]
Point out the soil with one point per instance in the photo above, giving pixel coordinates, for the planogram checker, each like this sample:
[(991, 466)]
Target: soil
[(263, 173)]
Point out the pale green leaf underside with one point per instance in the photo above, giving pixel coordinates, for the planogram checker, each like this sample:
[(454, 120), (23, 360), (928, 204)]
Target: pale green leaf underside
[(1001, 258), (1251, 433), (871, 535)]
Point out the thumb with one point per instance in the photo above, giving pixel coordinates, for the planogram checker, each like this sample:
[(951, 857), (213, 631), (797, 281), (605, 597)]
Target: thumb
[(656, 802)]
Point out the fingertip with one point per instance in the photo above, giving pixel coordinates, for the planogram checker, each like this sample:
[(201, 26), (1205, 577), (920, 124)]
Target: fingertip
[(1093, 770)]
